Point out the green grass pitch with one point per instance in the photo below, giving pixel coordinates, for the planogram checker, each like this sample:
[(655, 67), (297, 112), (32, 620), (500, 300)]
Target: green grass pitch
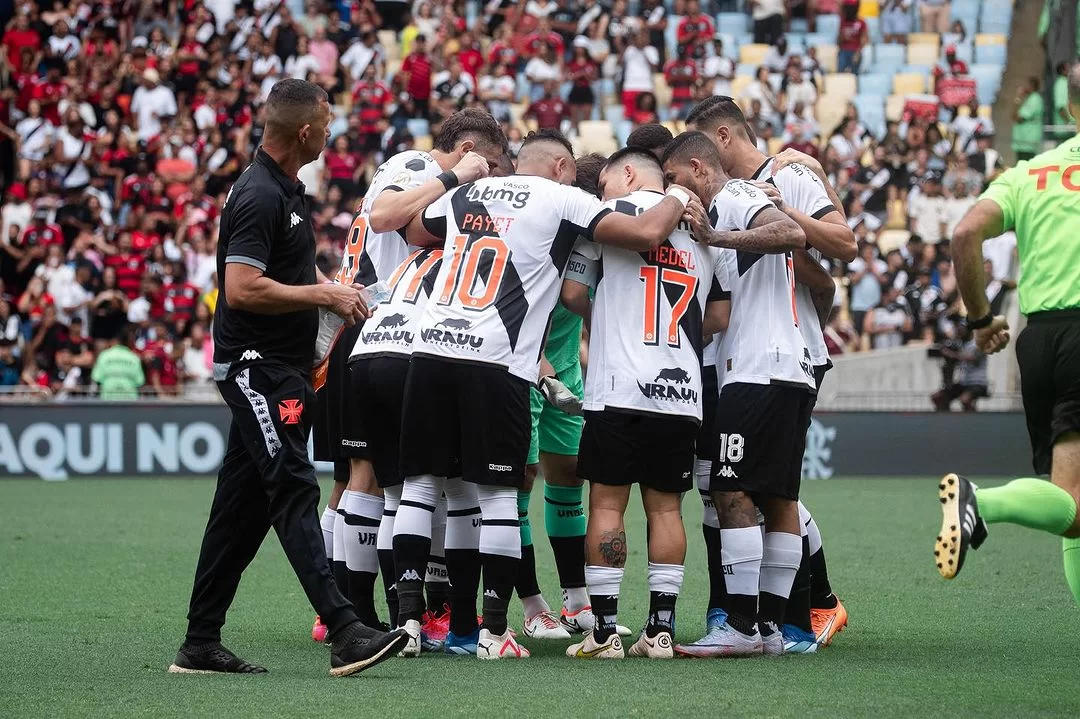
[(95, 575)]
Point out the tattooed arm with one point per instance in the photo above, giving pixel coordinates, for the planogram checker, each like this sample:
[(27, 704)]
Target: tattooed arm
[(770, 232)]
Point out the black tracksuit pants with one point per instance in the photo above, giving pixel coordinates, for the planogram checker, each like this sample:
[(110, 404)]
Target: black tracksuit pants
[(266, 480)]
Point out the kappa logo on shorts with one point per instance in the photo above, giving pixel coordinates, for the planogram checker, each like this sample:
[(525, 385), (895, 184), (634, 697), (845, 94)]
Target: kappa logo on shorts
[(353, 443), (290, 411), (250, 355), (727, 472), (500, 468)]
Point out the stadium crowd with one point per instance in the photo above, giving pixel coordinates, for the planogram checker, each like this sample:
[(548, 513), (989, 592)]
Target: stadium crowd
[(123, 125)]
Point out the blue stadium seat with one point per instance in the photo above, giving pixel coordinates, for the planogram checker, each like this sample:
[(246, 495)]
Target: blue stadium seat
[(889, 55), (995, 23), (671, 35), (744, 38), (613, 113), (965, 10), (418, 127), (733, 22), (875, 83), (731, 46), (564, 90), (923, 70), (523, 88), (990, 54), (987, 82), (873, 24), (871, 112), (746, 68), (966, 52), (828, 25), (820, 38), (622, 128), (799, 24)]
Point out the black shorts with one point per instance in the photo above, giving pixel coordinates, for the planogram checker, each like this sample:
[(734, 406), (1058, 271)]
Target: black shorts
[(710, 395), (378, 385), (330, 416), (581, 95), (467, 419), (1048, 351), (760, 438), (653, 450)]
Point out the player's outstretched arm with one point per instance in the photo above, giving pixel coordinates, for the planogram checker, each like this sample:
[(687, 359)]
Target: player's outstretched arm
[(771, 232), (984, 220), (649, 229), (817, 280), (393, 210)]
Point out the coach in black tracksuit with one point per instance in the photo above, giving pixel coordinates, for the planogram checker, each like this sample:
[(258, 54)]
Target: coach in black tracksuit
[(264, 343)]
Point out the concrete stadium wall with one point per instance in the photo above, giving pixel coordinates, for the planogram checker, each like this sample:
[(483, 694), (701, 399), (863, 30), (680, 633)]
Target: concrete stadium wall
[(64, 441)]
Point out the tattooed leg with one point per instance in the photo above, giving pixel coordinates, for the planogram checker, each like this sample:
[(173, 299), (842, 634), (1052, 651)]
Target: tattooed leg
[(605, 536)]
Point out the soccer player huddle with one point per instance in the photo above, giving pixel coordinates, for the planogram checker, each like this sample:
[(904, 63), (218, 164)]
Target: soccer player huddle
[(694, 265)]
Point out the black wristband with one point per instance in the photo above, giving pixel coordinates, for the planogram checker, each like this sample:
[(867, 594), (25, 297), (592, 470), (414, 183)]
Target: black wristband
[(448, 179), (983, 321)]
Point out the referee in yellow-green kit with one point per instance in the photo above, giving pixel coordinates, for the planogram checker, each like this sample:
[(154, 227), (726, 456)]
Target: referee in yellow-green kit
[(1040, 200)]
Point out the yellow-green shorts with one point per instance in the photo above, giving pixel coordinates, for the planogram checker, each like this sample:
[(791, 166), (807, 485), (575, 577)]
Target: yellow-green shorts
[(553, 430)]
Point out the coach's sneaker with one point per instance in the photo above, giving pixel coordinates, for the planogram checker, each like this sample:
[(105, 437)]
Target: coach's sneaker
[(961, 526), (658, 647), (545, 625), (499, 646), (589, 648), (412, 647), (319, 630), (827, 623), (772, 640), (358, 647), (723, 641), (798, 641), (211, 658), (583, 621), (462, 646)]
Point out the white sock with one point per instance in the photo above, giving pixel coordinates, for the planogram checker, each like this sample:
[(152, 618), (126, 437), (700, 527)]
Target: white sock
[(326, 522), (741, 550), (665, 578), (498, 505), (462, 516), (604, 582), (780, 559), (363, 515), (419, 497), (575, 599), (339, 527), (812, 531), (534, 605), (391, 499), (436, 568)]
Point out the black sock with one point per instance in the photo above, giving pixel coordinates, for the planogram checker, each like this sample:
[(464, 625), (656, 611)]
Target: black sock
[(386, 568), (821, 594), (341, 575), (410, 562), (606, 610), (742, 612), (362, 596), (499, 574), (438, 596), (717, 588), (569, 560), (770, 612), (463, 566), (798, 605), (661, 613), (527, 586)]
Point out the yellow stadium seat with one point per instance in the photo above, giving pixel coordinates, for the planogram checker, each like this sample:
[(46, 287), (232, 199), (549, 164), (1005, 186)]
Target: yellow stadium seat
[(830, 110), (840, 85), (392, 68), (991, 38), (986, 112), (894, 107), (917, 38), (675, 126), (388, 39), (909, 83), (889, 240), (869, 8), (922, 53), (963, 111), (753, 54), (739, 84), (896, 215), (828, 56), (775, 145), (423, 143), (662, 91)]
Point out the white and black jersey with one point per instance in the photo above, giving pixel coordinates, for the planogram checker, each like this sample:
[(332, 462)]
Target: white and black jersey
[(391, 329), (646, 339), (373, 256), (763, 343), (507, 242), (801, 188)]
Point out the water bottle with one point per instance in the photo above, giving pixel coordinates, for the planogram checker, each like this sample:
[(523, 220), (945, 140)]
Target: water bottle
[(374, 295)]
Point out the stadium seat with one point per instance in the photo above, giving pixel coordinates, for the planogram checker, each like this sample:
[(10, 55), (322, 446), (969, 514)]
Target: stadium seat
[(733, 22), (923, 53), (875, 83), (739, 84), (889, 55), (816, 39), (828, 56), (986, 112), (924, 38), (990, 38), (424, 143), (799, 24), (873, 26), (596, 136), (963, 10), (990, 54), (830, 110), (731, 47), (388, 39), (840, 85), (966, 52), (746, 68), (894, 107), (889, 240), (909, 83), (753, 54), (671, 37), (418, 126), (828, 25), (995, 22), (987, 82), (869, 9), (623, 128), (613, 113)]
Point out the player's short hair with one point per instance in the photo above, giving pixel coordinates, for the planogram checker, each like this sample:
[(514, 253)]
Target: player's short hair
[(588, 172), (635, 155), (689, 145), (714, 111), (291, 103), (474, 124), (651, 137), (538, 136)]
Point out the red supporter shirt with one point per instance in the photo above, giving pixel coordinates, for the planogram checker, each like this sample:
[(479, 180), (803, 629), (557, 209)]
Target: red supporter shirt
[(536, 41), (471, 61), (48, 235), (129, 271), (341, 168), (851, 34), (371, 97), (419, 68), (680, 76), (16, 40), (136, 189), (49, 94), (188, 67), (549, 112), (181, 299), (807, 148), (583, 72), (695, 29), (143, 241), (956, 67), (157, 355), (501, 53)]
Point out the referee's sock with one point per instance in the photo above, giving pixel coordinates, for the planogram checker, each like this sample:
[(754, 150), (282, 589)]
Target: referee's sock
[(500, 552), (564, 521), (340, 570), (436, 582), (412, 542), (363, 514), (1029, 502)]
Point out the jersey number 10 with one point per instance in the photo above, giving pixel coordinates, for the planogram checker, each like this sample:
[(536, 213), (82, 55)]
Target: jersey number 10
[(656, 278), (465, 274)]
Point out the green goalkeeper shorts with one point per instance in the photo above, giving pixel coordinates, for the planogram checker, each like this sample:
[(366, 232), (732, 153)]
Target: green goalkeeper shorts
[(553, 430)]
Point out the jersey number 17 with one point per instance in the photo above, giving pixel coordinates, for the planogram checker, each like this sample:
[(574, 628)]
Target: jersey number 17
[(655, 279)]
